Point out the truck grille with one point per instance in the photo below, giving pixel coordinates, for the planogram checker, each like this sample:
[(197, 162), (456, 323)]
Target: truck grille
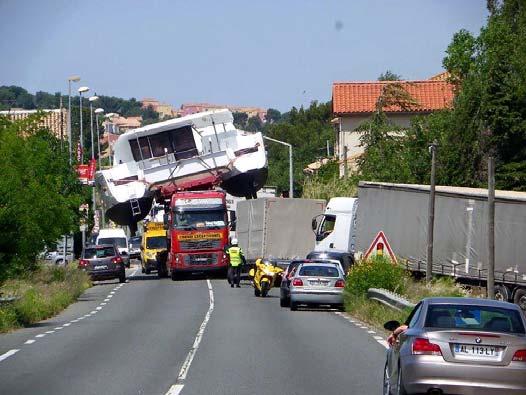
[(200, 259), (200, 245)]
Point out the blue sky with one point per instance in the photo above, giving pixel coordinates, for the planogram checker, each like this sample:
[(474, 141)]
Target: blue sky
[(261, 53)]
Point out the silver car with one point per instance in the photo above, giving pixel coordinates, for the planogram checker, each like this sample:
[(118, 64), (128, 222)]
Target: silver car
[(317, 284), (459, 346)]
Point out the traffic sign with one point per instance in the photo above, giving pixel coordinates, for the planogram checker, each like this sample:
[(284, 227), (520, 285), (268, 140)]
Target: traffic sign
[(379, 246)]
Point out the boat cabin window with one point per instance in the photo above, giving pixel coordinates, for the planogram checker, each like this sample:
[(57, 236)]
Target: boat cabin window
[(179, 141)]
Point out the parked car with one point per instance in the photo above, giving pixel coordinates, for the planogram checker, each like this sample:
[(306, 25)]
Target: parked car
[(134, 247), (57, 257), (345, 258), (458, 346), (103, 262), (317, 283)]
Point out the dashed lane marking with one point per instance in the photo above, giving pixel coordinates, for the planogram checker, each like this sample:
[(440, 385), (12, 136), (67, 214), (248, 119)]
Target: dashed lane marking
[(31, 341), (360, 325), (8, 354), (41, 335)]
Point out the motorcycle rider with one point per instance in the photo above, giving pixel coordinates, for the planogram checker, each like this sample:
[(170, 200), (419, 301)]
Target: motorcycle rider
[(237, 259)]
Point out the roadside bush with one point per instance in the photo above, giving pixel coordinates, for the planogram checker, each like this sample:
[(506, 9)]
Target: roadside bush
[(376, 272), (42, 294)]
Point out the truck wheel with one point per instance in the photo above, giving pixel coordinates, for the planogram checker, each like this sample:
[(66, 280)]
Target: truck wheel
[(148, 271), (174, 275), (293, 306), (502, 293), (520, 298)]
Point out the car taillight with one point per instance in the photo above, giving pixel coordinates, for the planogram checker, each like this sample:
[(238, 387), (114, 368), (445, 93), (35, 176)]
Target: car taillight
[(297, 282), (520, 356), (116, 260), (83, 263), (340, 284), (425, 347)]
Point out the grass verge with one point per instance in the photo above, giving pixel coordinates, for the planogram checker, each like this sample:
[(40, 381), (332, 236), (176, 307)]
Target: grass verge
[(376, 314), (42, 294)]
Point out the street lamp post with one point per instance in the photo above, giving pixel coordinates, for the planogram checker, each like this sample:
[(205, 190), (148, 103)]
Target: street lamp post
[(97, 112), (291, 173), (81, 90), (109, 117), (73, 78), (93, 194)]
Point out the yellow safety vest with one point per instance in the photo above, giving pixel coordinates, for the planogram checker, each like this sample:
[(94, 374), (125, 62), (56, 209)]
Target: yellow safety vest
[(235, 256)]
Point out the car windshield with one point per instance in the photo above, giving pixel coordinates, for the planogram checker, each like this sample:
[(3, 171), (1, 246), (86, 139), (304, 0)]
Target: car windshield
[(199, 219), (119, 241), (319, 271), (94, 253), (486, 318), (135, 242), (156, 242)]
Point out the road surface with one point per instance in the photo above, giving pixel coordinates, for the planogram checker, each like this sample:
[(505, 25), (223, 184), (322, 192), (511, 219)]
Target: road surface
[(195, 336)]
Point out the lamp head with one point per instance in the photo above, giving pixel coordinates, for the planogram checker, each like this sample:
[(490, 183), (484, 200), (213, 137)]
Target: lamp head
[(99, 111), (74, 78), (83, 89), (93, 98)]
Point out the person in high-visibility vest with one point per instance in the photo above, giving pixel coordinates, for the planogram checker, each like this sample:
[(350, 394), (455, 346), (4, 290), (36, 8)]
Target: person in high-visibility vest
[(237, 259)]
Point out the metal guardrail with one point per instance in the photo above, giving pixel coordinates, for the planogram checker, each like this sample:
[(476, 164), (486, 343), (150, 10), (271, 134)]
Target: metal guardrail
[(10, 299), (389, 299)]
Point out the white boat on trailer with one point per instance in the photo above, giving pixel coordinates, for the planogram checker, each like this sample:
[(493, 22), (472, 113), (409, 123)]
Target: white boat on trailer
[(198, 151)]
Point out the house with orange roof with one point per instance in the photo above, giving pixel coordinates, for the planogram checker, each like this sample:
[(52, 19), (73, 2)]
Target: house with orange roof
[(355, 102)]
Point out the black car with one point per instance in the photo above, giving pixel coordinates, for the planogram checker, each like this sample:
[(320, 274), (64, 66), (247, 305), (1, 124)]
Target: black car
[(103, 262), (345, 258)]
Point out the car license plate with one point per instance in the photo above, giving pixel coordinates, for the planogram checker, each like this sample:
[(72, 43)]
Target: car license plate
[(100, 267), (319, 283), (477, 351)]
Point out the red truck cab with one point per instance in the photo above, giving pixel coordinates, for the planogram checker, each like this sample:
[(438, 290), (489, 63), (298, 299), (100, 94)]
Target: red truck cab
[(198, 232)]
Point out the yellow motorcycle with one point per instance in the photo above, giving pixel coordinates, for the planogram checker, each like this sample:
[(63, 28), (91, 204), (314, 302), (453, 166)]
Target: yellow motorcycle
[(264, 277)]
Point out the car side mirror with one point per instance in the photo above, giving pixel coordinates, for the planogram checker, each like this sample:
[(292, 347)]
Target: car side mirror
[(314, 224), (391, 325)]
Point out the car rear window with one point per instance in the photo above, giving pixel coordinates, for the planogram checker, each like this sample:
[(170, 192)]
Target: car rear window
[(486, 318), (319, 271), (121, 242), (94, 253)]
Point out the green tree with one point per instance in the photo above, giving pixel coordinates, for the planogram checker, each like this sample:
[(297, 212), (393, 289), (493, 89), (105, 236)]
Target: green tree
[(389, 76), (39, 193), (240, 120)]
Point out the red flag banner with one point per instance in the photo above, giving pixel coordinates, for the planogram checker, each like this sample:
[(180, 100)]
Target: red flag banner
[(86, 173)]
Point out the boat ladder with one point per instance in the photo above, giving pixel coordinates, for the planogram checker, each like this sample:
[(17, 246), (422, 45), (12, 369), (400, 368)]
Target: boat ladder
[(135, 206)]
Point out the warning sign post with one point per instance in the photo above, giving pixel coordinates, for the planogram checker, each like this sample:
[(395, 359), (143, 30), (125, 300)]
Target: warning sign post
[(380, 246)]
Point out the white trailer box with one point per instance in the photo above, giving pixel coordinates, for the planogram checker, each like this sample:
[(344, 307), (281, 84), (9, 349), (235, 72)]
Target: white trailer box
[(277, 227)]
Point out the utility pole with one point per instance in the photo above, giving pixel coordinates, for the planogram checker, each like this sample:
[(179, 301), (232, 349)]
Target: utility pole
[(431, 213), (291, 172), (345, 170), (491, 228)]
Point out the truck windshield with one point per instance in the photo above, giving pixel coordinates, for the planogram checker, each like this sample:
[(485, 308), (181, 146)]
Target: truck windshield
[(156, 242), (199, 219), (119, 241)]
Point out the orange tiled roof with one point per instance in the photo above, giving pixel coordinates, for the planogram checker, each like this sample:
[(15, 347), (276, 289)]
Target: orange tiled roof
[(361, 97)]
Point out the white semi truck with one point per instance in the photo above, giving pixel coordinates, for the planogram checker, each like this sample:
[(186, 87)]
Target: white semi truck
[(400, 211)]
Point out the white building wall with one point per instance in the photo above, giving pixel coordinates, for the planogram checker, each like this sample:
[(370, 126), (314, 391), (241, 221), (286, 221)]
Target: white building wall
[(348, 136)]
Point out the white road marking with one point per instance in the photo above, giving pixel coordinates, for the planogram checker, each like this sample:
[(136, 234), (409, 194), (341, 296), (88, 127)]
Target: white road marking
[(8, 354), (30, 341), (383, 343), (98, 308), (75, 320), (103, 304), (379, 339), (41, 335), (49, 332), (58, 328), (371, 332), (191, 354), (93, 311), (68, 324), (107, 299), (175, 389)]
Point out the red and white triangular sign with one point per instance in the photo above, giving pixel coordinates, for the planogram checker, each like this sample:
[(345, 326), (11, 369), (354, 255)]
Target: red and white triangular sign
[(379, 246)]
